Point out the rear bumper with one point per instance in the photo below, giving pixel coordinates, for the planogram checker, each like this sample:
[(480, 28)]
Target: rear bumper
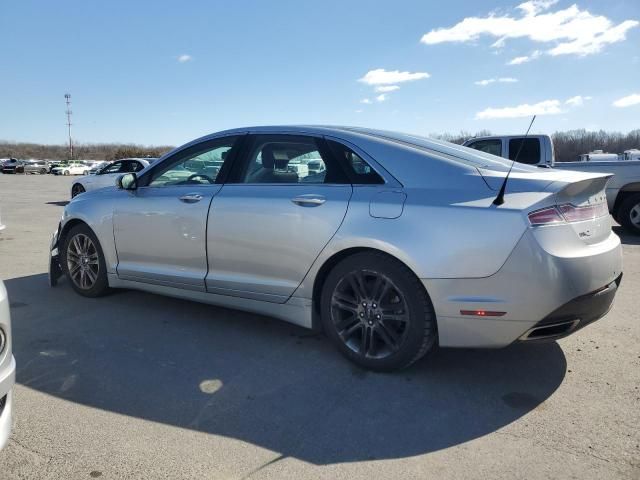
[(532, 287), (574, 315)]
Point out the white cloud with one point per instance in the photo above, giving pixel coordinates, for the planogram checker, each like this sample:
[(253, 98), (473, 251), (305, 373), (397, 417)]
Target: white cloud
[(534, 7), (380, 76), (359, 110), (570, 31), (526, 58), (366, 101), (185, 58), (386, 88), (546, 107), (628, 101), (576, 101), (488, 81), (381, 98)]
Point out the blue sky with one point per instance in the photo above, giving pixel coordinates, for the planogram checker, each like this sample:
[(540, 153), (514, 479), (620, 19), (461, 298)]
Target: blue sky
[(167, 72)]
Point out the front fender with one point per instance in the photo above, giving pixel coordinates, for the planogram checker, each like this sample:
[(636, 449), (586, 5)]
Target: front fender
[(95, 209)]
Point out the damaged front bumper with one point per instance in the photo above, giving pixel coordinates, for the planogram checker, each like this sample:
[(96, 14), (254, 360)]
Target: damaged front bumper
[(55, 269)]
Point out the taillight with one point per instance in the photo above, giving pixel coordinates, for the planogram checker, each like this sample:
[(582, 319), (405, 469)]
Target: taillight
[(572, 213), (545, 216), (567, 213)]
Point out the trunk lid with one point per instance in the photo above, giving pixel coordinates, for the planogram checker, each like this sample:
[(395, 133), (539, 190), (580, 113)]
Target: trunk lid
[(579, 197)]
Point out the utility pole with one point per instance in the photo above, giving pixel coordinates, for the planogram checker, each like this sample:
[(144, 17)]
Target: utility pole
[(67, 97)]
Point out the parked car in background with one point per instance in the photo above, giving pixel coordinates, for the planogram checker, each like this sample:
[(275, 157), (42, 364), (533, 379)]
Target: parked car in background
[(633, 154), (97, 166), (394, 249), (598, 156), (106, 176), (13, 166), (7, 368), (36, 166), (623, 189), (71, 168)]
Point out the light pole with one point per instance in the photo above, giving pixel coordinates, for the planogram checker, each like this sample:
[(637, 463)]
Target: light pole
[(67, 97)]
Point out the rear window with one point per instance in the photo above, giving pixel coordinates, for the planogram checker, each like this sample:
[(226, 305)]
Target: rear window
[(529, 150)]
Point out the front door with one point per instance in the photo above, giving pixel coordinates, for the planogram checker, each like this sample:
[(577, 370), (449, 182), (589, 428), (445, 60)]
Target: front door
[(269, 224), (160, 228)]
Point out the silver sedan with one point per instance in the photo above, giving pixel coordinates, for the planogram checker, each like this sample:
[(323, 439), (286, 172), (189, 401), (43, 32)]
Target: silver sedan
[(7, 368), (391, 243)]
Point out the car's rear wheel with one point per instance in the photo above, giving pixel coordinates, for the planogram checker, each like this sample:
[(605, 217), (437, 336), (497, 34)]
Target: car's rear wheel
[(66, 172), (377, 312), (43, 171), (76, 190), (628, 214), (83, 262)]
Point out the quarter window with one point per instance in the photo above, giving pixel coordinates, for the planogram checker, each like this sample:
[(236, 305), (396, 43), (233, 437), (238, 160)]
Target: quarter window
[(359, 171)]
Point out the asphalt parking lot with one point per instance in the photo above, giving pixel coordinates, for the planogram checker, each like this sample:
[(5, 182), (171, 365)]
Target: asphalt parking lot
[(134, 385)]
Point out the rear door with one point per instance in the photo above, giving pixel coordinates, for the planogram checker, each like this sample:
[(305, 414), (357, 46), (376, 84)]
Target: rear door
[(270, 222), (160, 228)]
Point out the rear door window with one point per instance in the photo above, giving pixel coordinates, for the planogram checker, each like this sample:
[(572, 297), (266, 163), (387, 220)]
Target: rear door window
[(529, 150), (289, 159)]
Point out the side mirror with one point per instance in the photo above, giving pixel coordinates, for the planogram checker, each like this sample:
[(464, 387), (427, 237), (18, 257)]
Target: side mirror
[(128, 181)]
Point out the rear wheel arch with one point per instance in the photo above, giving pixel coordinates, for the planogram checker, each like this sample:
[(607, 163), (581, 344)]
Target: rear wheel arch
[(329, 264)]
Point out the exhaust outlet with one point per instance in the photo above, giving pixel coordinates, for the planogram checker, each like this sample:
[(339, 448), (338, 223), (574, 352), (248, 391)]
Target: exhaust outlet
[(551, 330)]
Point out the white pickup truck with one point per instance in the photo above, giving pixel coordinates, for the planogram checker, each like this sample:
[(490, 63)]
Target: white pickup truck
[(623, 190)]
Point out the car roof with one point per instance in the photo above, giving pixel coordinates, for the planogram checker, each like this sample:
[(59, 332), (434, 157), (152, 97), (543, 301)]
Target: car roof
[(356, 135)]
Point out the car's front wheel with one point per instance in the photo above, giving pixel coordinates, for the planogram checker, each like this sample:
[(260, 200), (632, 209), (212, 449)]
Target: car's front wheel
[(76, 190), (83, 262), (377, 312), (66, 172)]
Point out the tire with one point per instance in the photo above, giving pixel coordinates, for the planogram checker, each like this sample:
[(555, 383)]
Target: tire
[(43, 171), (85, 173), (392, 343), (87, 284), (76, 190), (628, 214), (66, 172)]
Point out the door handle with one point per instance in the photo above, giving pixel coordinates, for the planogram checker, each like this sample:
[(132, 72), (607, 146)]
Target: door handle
[(309, 200), (191, 198)]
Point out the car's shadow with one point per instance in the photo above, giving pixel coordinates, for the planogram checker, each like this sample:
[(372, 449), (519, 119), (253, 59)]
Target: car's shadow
[(263, 381)]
